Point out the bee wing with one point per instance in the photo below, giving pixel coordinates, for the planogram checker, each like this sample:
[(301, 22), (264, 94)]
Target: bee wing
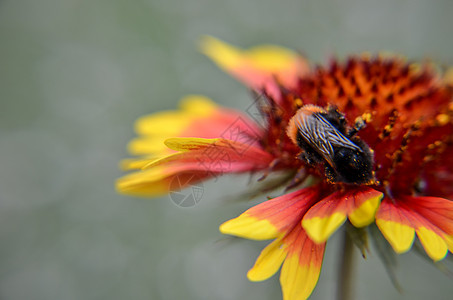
[(314, 133), (322, 136), (335, 137)]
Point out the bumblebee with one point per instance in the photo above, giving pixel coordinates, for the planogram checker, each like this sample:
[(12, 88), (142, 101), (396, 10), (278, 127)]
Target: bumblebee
[(326, 141)]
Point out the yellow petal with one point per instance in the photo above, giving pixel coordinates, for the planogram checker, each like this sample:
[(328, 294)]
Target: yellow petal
[(319, 229), (198, 104), (225, 55), (172, 123), (144, 183), (449, 241), (269, 261), (134, 164), (298, 281), (149, 145), (267, 58), (271, 58), (400, 236), (364, 214), (164, 123), (186, 144), (434, 245), (249, 227)]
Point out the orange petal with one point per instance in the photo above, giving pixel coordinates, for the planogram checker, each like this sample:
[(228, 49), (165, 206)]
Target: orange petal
[(324, 218)]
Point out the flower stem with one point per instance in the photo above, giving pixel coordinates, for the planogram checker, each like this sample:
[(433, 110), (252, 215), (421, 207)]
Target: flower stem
[(346, 270)]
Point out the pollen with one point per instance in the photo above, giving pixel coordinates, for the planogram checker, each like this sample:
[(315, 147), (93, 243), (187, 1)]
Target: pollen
[(442, 119), (366, 117)]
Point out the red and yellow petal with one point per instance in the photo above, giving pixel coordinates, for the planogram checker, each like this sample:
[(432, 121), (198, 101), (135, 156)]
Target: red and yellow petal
[(301, 259), (302, 266), (154, 129), (156, 181), (220, 154), (358, 204), (280, 218), (395, 226), (202, 157), (433, 242), (274, 217), (260, 67), (430, 218), (198, 117)]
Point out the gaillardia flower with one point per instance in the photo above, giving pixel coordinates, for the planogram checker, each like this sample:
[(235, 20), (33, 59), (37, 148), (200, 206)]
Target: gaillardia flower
[(366, 140)]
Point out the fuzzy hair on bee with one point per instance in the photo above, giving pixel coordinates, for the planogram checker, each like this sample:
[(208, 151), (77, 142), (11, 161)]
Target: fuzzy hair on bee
[(326, 141)]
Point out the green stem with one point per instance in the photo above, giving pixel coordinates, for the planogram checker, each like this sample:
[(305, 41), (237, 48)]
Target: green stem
[(346, 270)]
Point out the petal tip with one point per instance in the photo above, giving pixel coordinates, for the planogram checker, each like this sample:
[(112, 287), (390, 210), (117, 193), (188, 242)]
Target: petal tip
[(269, 261), (400, 236), (434, 245), (223, 54), (246, 226)]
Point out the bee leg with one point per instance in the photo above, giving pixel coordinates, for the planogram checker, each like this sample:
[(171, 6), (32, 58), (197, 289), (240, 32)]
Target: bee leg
[(299, 178), (269, 169), (310, 157), (331, 174), (303, 156), (359, 124)]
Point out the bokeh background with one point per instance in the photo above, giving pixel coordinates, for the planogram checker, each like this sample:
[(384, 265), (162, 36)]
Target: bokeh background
[(74, 76)]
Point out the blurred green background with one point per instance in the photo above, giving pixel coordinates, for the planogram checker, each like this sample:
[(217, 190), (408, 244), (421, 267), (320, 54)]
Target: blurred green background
[(75, 74)]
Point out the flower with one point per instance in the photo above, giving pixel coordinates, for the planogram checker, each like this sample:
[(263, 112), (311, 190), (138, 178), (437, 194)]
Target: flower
[(408, 112)]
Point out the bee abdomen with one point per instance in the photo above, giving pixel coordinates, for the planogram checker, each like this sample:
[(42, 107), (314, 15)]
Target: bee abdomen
[(352, 166)]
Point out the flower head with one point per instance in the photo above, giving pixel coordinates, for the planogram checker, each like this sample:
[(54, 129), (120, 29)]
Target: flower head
[(366, 140)]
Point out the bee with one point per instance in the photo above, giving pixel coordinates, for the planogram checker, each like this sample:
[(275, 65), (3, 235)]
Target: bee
[(326, 141)]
